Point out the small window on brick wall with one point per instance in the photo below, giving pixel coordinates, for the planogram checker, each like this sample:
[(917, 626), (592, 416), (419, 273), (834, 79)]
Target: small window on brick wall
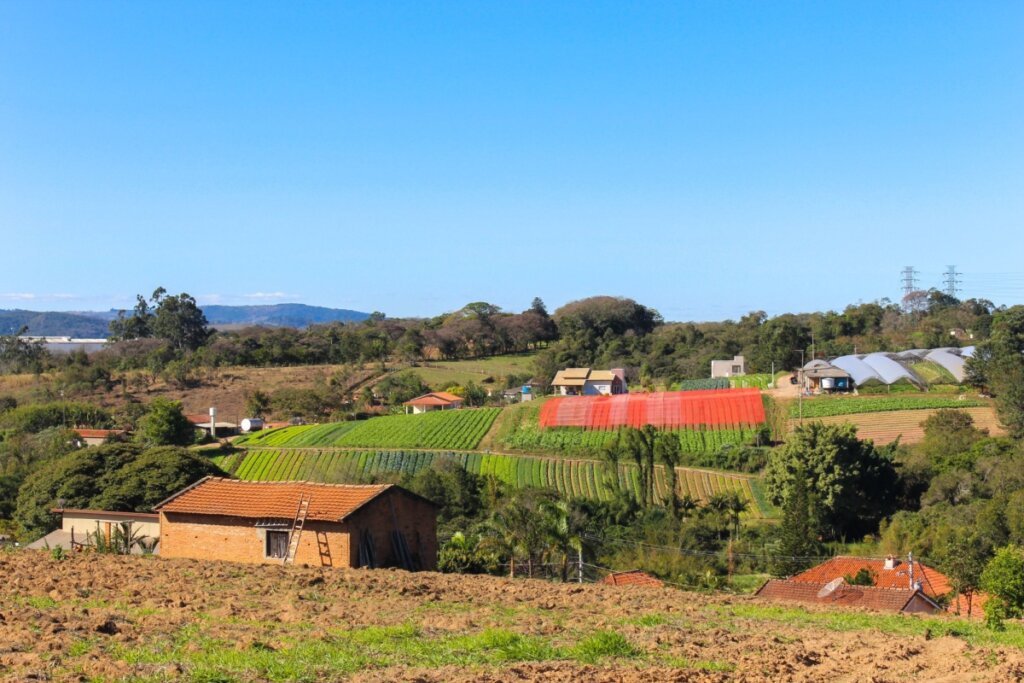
[(277, 544)]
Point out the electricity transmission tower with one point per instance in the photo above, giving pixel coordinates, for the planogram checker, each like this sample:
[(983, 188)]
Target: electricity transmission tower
[(951, 281), (909, 281)]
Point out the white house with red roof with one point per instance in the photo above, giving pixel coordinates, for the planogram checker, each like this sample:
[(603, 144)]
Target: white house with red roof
[(435, 400)]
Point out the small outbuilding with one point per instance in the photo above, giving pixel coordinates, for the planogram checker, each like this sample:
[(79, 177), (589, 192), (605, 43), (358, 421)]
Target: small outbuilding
[(822, 378), (96, 437), (330, 525), (587, 382), (78, 529), (435, 400), (729, 368)]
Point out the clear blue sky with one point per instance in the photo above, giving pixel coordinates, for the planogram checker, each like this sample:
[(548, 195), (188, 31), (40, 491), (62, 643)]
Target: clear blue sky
[(704, 158)]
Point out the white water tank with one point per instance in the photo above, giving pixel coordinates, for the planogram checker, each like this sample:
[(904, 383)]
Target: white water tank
[(828, 383), (252, 424)]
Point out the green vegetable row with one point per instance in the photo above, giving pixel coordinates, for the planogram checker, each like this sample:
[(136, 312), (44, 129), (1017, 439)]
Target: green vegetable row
[(447, 429), (827, 406), (573, 478)]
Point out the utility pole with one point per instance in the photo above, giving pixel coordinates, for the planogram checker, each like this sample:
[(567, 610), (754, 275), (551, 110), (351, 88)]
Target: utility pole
[(579, 565), (951, 281), (800, 394)]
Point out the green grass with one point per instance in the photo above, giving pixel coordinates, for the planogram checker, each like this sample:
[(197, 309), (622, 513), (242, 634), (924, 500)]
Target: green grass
[(441, 374), (974, 632), (441, 429), (340, 653), (827, 406)]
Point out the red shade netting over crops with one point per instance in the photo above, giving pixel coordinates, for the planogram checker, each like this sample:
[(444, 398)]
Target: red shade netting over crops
[(667, 410)]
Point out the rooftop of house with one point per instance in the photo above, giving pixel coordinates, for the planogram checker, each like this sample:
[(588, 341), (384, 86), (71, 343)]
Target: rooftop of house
[(634, 577), (933, 582), (98, 433), (271, 499), (577, 377), (434, 398), (867, 597), (104, 514)]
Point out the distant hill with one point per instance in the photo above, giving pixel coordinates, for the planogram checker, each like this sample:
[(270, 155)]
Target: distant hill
[(93, 324), (280, 315), (53, 324)]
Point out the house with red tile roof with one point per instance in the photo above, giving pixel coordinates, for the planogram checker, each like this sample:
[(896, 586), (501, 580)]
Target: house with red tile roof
[(891, 574), (331, 525), (634, 577), (96, 437), (846, 595), (435, 400)]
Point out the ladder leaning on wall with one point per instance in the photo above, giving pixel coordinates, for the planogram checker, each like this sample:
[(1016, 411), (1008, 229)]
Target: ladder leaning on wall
[(297, 524)]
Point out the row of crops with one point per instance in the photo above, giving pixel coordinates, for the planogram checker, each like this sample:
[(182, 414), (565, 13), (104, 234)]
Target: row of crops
[(573, 478), (705, 383), (852, 405), (727, 408), (441, 429), (575, 441)]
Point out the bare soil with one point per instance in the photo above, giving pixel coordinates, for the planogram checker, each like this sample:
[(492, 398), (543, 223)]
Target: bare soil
[(883, 428), (92, 617)]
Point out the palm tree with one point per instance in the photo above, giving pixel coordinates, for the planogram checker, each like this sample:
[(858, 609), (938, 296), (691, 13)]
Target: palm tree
[(503, 534), (563, 526)]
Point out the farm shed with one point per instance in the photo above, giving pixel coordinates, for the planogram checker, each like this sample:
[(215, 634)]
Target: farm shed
[(435, 400), (825, 378), (263, 522), (76, 525), (729, 368), (892, 573)]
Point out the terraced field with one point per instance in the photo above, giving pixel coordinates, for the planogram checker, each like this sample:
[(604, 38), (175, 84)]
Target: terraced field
[(573, 478), (442, 429), (830, 406), (884, 428)]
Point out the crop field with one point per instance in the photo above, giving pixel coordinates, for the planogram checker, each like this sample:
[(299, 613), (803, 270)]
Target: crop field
[(756, 380), (728, 408), (443, 429), (827, 406), (590, 442), (702, 384), (442, 374), (933, 373), (883, 428), (573, 478)]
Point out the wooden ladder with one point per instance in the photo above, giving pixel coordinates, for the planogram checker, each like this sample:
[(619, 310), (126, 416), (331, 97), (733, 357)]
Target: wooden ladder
[(297, 524)]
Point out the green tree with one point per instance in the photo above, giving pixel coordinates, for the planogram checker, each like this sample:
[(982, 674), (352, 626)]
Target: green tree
[(165, 425), (998, 367), (177, 320), (150, 477), (853, 482), (257, 404), (1003, 580), (798, 532), (965, 561), (668, 449)]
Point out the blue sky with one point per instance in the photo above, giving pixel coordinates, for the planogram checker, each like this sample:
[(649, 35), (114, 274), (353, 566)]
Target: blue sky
[(704, 158)]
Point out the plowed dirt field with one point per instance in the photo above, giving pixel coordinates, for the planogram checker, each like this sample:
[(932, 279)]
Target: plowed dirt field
[(91, 617), (884, 428)]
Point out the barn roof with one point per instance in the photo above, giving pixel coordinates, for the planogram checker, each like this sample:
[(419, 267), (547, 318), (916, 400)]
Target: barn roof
[(272, 499)]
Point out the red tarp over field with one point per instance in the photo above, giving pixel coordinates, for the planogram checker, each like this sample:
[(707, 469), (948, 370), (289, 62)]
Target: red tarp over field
[(668, 410)]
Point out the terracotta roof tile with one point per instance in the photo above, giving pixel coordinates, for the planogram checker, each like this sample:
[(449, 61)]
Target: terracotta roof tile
[(867, 597), (434, 398), (934, 583), (634, 577), (98, 433), (270, 499)]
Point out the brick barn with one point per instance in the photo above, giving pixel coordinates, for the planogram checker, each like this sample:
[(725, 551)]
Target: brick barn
[(263, 522)]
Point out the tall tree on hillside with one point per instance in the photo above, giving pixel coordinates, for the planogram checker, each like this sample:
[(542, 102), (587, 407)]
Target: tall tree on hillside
[(669, 454), (177, 320), (641, 443), (854, 483), (798, 532), (164, 424), (998, 367)]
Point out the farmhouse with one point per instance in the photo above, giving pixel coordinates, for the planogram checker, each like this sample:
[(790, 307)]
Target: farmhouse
[(729, 368), (900, 600), (587, 382), (435, 400), (96, 437), (78, 525), (915, 586), (329, 525)]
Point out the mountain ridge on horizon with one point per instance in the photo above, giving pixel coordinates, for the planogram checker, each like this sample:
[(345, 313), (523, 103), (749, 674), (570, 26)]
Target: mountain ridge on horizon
[(93, 324)]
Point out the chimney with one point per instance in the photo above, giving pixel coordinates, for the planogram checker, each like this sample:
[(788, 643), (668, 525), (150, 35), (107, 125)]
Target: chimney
[(890, 562)]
